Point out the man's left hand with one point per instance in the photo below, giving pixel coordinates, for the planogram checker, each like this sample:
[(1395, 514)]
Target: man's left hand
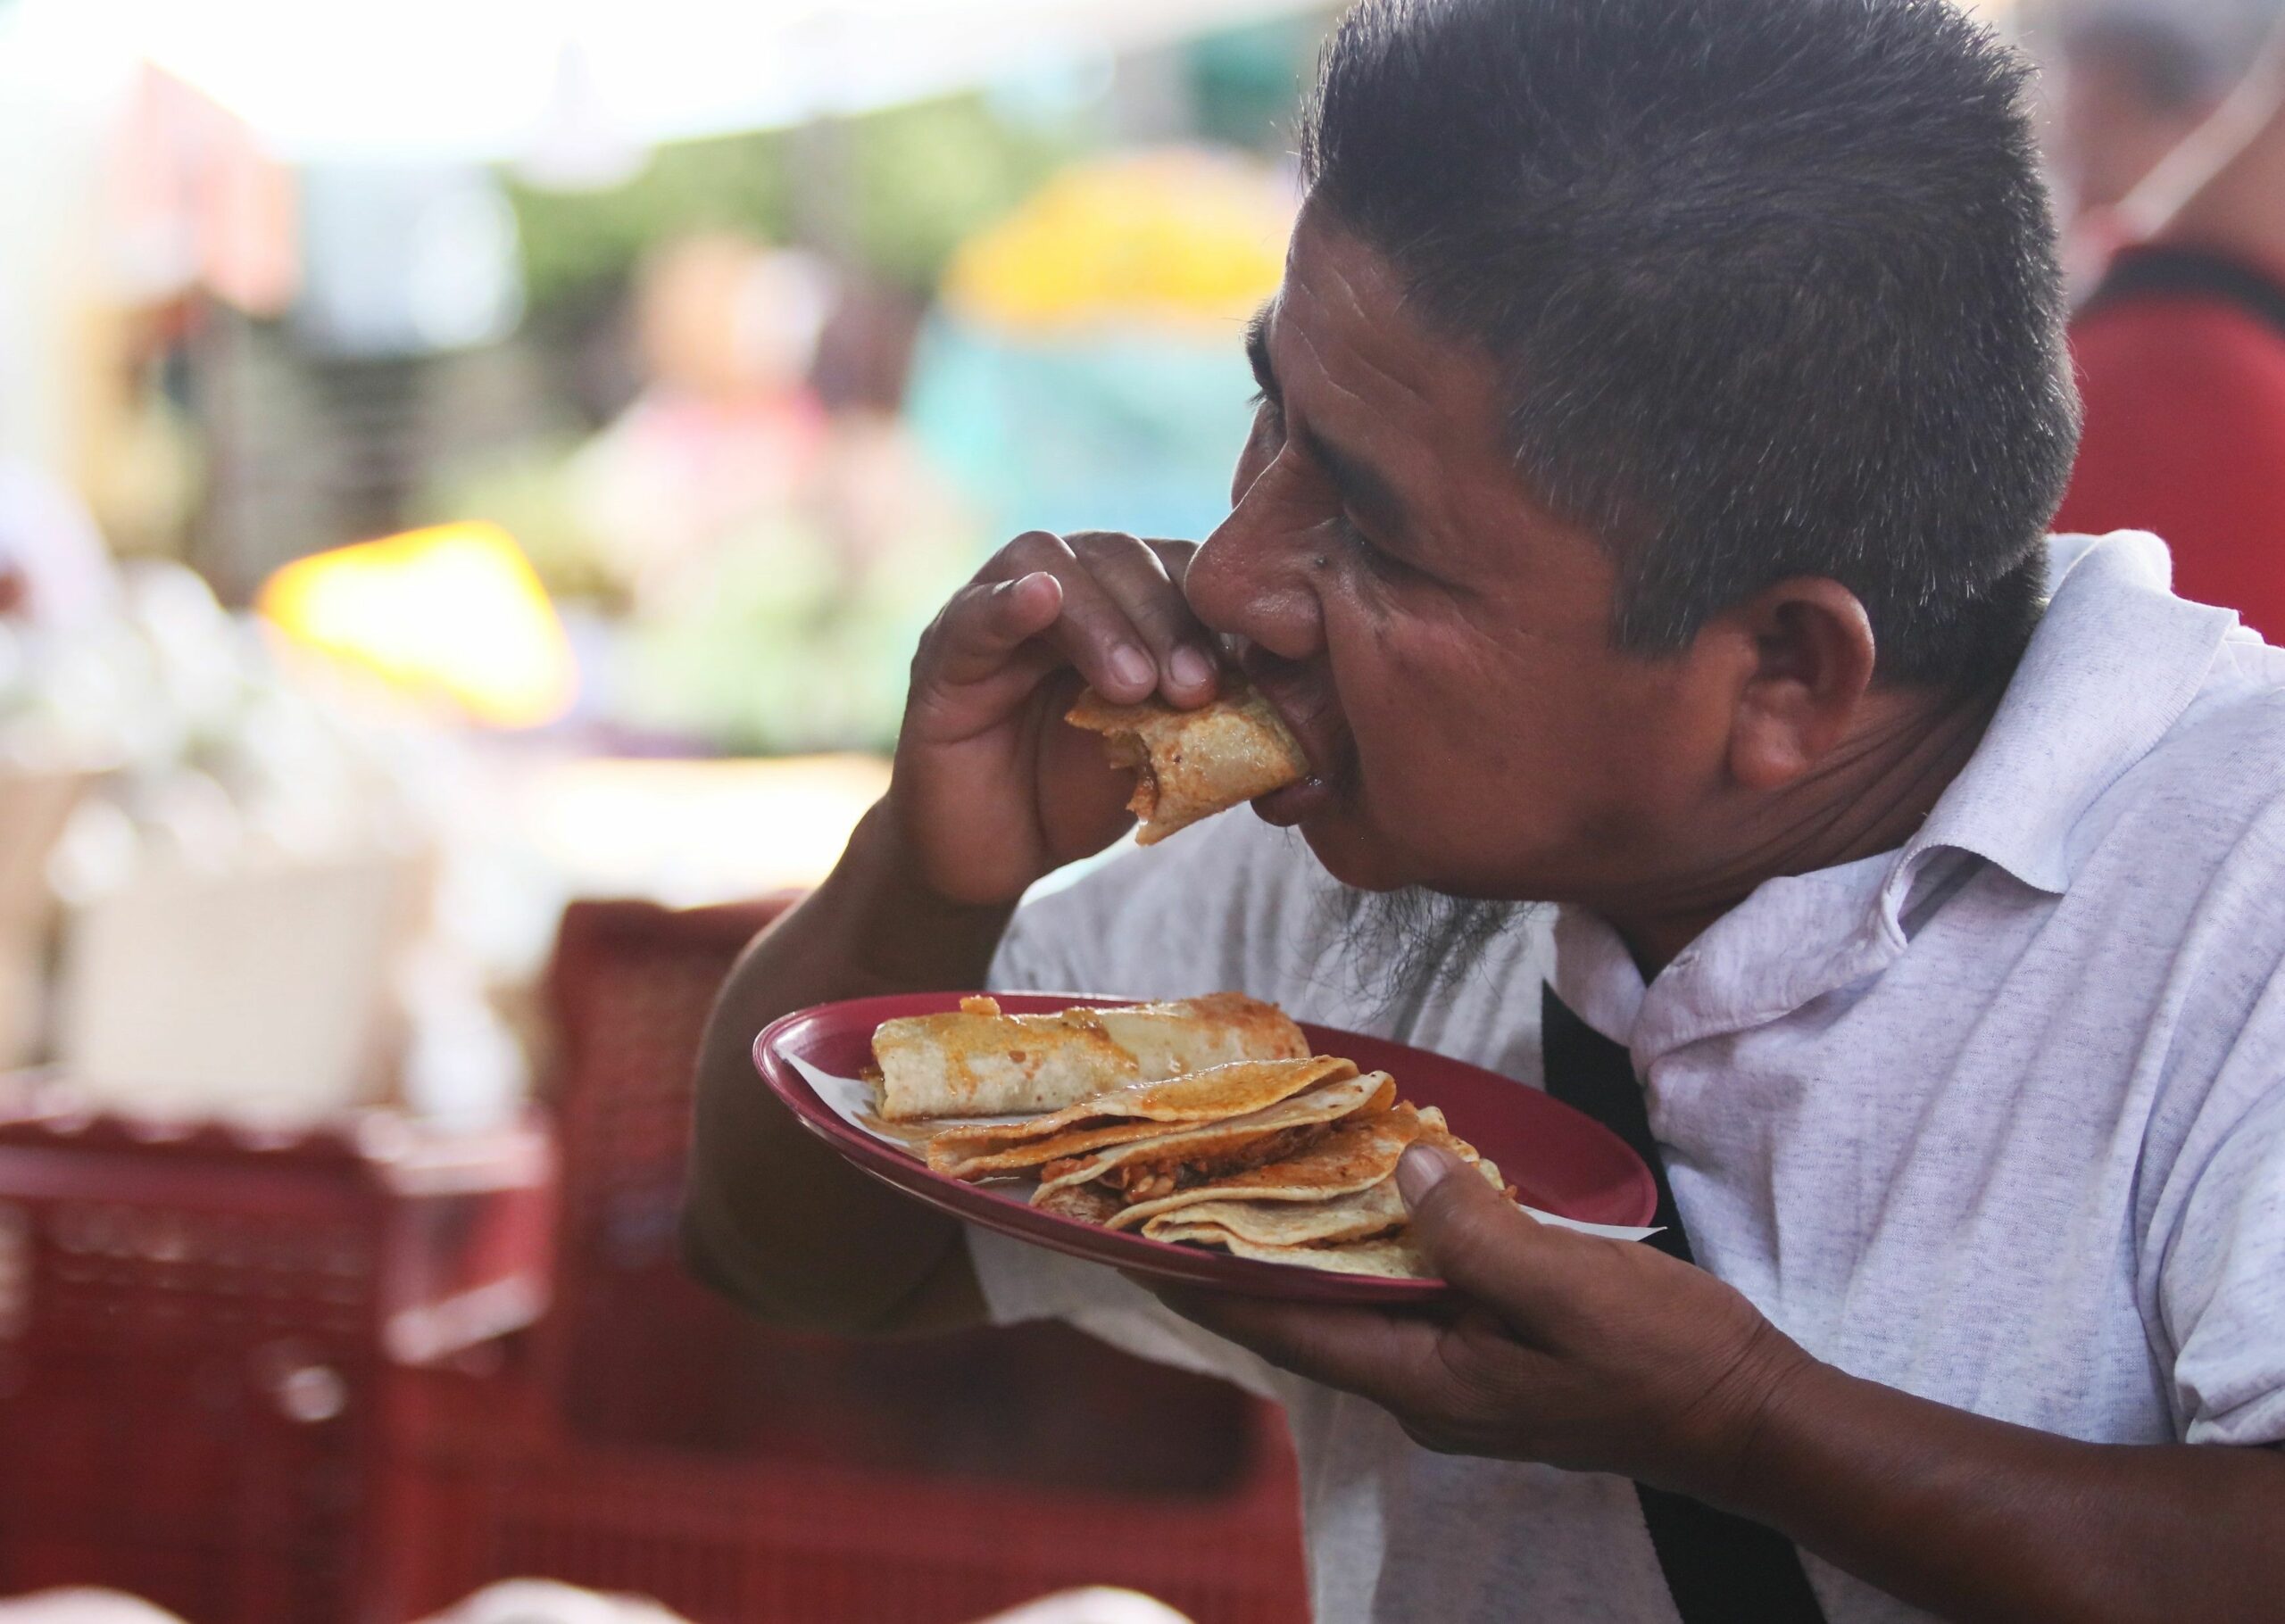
[(1580, 1352)]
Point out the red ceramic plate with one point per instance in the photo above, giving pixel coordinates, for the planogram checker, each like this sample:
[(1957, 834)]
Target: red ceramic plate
[(1558, 1159)]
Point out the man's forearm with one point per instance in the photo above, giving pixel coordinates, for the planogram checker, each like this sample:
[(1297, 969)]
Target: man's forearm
[(1977, 1518), (775, 1218)]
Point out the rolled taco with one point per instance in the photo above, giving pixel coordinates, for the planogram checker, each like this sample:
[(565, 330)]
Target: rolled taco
[(977, 1062), (1191, 764)]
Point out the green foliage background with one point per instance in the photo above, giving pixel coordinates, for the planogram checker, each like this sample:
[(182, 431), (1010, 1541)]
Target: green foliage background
[(920, 179)]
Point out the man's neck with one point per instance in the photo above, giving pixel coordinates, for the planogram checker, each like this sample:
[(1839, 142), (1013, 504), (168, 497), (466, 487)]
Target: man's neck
[(1871, 795)]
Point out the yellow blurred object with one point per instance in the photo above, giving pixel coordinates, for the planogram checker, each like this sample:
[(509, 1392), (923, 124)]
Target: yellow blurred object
[(1181, 236), (454, 612)]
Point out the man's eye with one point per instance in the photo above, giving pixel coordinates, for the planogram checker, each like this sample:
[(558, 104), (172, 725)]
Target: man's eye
[(1374, 555)]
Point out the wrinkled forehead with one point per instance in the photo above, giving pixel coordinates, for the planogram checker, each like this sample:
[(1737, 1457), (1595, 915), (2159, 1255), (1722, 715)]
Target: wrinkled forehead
[(1346, 346)]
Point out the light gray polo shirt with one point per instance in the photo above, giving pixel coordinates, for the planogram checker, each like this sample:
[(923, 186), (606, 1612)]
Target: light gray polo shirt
[(1997, 1119)]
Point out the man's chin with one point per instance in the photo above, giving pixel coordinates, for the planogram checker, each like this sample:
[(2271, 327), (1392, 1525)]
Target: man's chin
[(1351, 853)]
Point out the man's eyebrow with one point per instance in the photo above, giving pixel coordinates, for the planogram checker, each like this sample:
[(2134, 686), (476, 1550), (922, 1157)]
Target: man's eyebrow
[(1367, 495), (1258, 353)]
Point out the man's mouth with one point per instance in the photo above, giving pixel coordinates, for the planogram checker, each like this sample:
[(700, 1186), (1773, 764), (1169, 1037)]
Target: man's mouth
[(1303, 698)]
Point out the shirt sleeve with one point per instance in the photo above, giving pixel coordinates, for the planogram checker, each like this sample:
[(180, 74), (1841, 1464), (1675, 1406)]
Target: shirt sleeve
[(2222, 1286), (2213, 1259)]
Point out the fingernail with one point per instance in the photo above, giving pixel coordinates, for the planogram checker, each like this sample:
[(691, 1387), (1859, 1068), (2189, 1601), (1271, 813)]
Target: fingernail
[(1132, 667), (1420, 1170), (1190, 668)]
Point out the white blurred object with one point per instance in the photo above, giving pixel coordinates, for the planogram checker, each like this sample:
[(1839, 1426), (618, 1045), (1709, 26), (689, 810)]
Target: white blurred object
[(463, 1071), (48, 538), (472, 80), (244, 886), (1096, 1604), (82, 1606), (580, 145), (406, 259), (259, 992), (533, 1601), (137, 684)]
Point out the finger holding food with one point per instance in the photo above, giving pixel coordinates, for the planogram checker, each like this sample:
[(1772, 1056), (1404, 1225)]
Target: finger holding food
[(988, 792)]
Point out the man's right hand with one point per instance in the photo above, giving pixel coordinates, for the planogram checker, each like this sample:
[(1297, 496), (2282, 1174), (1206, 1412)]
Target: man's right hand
[(992, 789)]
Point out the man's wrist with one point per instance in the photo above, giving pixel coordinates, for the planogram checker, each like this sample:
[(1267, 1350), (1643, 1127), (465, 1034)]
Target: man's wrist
[(905, 932), (1773, 1389)]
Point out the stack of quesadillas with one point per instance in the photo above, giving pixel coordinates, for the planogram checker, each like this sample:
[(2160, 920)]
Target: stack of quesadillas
[(1287, 1161)]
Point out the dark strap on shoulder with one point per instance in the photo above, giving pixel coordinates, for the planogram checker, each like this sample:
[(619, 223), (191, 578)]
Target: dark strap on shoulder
[(1719, 1569), (2163, 271)]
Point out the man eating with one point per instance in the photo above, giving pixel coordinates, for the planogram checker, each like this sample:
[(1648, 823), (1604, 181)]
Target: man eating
[(1644, 515)]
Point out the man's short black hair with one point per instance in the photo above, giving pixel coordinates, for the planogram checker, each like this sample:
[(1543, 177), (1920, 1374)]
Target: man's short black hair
[(1772, 284)]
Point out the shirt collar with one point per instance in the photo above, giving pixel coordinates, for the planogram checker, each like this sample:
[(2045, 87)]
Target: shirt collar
[(2116, 660)]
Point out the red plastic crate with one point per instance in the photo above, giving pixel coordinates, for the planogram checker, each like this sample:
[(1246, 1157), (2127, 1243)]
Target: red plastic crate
[(209, 1394), (727, 1542), (739, 1473), (198, 1335)]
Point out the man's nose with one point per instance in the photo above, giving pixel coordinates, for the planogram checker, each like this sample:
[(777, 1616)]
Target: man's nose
[(1252, 577)]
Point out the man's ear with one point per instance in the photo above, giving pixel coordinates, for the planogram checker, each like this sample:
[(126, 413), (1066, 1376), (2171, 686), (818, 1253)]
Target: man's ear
[(1811, 662)]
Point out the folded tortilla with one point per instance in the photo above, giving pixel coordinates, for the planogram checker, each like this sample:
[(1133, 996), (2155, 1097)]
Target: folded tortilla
[(1342, 1188), (977, 1062), (1226, 1146), (1360, 1152), (1379, 1210), (1136, 1110), (1191, 764)]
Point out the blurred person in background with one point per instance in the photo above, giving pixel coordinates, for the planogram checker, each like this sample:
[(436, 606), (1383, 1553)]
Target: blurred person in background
[(2137, 77), (2175, 155), (779, 557), (725, 427)]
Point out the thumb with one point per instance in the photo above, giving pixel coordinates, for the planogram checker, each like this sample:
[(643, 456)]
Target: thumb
[(1479, 1240)]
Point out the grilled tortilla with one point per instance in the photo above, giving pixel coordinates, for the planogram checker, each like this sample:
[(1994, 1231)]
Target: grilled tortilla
[(978, 1062), (1146, 1168), (1360, 1152), (1191, 764), (1379, 1210), (1342, 1188), (1137, 1110)]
